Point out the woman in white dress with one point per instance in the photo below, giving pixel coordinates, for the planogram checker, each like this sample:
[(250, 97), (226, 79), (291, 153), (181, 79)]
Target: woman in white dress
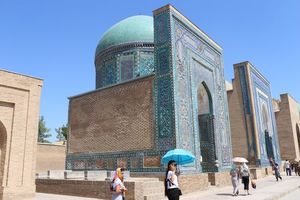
[(235, 176)]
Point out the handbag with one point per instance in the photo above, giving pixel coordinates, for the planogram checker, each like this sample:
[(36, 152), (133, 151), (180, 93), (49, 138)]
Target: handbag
[(253, 184), (179, 192)]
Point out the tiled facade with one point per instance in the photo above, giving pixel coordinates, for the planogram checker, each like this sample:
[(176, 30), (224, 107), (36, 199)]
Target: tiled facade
[(134, 123), (253, 125), (288, 124), (19, 115)]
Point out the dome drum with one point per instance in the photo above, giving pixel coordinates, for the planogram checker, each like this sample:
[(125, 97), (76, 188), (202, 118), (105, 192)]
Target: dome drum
[(125, 52)]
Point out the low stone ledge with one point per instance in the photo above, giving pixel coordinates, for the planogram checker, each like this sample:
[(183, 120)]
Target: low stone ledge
[(219, 178)]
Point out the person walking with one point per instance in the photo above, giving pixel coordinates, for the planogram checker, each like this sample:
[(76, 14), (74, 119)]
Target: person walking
[(277, 172), (172, 190), (287, 167), (245, 174), (117, 187), (235, 174)]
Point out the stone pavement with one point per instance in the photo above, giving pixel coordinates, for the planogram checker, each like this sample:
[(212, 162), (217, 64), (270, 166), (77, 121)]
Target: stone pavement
[(267, 189)]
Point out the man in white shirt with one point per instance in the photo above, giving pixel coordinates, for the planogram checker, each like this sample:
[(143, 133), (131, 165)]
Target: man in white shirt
[(287, 167)]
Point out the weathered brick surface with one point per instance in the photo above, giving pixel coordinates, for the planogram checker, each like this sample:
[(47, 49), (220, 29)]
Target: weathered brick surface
[(237, 119), (187, 182), (50, 157), (219, 178), (137, 188), (193, 182), (105, 120), (19, 114), (287, 119)]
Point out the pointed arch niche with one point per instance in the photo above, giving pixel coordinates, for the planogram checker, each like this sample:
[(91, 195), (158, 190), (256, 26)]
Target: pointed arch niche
[(2, 151), (298, 134), (268, 137), (206, 128)]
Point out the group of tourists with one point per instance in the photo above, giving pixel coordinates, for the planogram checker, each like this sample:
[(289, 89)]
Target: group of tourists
[(173, 192), (240, 172), (292, 167)]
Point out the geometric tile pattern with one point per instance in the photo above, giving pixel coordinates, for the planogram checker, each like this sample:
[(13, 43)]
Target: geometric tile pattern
[(261, 92), (124, 62), (146, 63), (191, 51), (113, 117)]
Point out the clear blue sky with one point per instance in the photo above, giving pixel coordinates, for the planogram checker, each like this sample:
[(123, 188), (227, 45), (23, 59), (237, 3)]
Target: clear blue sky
[(56, 39)]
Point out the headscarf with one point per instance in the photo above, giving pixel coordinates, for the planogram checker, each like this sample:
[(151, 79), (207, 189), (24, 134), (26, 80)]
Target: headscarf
[(118, 174)]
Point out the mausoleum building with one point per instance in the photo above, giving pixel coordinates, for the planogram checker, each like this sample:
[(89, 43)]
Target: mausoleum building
[(159, 86)]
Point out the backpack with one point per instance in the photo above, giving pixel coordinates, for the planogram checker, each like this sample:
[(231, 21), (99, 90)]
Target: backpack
[(111, 186)]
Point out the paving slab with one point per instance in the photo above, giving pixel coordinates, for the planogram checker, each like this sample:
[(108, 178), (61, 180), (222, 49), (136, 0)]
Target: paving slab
[(267, 189)]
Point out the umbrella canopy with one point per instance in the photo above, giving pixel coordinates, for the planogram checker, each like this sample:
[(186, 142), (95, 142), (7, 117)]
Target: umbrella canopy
[(180, 156), (239, 159)]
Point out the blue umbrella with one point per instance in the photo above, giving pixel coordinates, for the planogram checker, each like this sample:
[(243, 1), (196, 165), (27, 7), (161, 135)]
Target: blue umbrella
[(181, 156)]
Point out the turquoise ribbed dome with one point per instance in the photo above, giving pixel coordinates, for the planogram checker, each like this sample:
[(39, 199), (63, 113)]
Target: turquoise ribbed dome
[(132, 29)]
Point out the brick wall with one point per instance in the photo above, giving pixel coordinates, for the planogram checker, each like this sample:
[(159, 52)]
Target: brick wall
[(237, 120), (187, 182), (286, 120), (19, 115), (95, 189), (50, 157), (106, 119), (219, 179)]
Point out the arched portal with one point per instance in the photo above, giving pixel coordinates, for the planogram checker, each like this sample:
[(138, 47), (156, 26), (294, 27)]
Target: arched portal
[(206, 128), (268, 137), (2, 151), (298, 134)]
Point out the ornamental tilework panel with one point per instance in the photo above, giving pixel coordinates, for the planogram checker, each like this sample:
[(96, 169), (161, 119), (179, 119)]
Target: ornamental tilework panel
[(122, 65), (165, 108), (79, 164), (100, 164), (146, 63), (263, 98), (161, 28), (189, 47), (126, 65), (163, 64), (122, 162), (110, 72), (134, 162), (152, 161), (164, 98), (111, 164), (113, 117)]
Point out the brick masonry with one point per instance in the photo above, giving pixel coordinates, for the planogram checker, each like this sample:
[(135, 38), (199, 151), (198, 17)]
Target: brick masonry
[(112, 117), (19, 115), (57, 153), (100, 189), (253, 125), (287, 119)]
